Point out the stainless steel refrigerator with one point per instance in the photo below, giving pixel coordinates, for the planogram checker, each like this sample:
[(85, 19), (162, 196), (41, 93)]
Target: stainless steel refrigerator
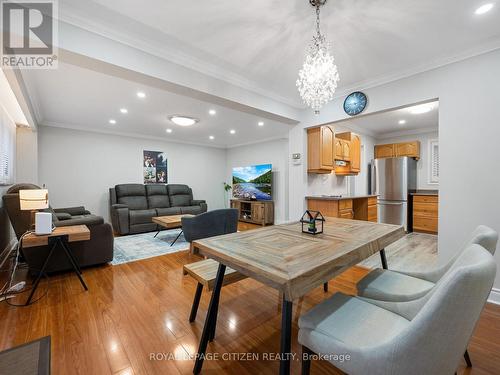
[(391, 180)]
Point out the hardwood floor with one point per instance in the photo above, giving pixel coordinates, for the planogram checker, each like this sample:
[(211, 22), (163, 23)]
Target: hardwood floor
[(134, 318)]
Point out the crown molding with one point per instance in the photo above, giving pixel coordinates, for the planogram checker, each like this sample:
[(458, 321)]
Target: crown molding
[(403, 133), (54, 124), (479, 49), (265, 140), (179, 57)]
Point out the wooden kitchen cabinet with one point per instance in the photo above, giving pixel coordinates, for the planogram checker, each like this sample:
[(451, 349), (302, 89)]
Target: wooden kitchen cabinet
[(350, 143), (342, 149), (357, 208), (320, 149), (384, 151), (410, 149), (425, 213), (391, 150)]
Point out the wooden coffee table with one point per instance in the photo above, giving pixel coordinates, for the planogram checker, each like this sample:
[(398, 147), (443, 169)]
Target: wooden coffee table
[(170, 222)]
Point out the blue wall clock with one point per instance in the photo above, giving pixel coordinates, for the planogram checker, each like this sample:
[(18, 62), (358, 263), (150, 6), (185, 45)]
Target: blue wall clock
[(355, 103)]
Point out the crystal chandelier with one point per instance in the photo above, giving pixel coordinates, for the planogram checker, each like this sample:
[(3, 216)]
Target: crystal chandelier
[(319, 76)]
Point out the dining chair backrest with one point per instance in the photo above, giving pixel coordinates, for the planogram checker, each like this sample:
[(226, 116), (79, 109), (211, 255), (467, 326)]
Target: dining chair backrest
[(438, 333), (482, 235), (210, 224)]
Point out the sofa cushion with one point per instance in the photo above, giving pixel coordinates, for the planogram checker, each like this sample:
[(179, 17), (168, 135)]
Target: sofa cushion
[(174, 189), (168, 211), (180, 200), (193, 210), (141, 216), (157, 196), (132, 195)]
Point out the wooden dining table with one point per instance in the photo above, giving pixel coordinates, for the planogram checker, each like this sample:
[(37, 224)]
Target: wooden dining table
[(292, 262)]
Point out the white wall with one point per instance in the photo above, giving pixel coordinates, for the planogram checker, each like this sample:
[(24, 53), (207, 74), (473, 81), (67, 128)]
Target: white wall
[(469, 186), (272, 152), (79, 167), (423, 167), (26, 155)]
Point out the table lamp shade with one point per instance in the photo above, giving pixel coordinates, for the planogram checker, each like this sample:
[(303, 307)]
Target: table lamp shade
[(34, 199)]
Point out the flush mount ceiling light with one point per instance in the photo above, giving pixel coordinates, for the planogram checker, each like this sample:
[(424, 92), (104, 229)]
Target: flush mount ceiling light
[(422, 108), (141, 95), (260, 123), (402, 122), (112, 121), (319, 76), (211, 137), (169, 130), (124, 110), (212, 112), (232, 131), (183, 120), (484, 9)]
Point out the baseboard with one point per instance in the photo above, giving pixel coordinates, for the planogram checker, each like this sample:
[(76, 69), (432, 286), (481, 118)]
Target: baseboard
[(6, 251), (494, 296)]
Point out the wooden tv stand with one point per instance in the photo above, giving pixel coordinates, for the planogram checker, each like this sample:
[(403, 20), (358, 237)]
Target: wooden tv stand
[(255, 212)]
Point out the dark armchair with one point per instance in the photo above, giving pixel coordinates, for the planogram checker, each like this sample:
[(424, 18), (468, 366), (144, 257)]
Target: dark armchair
[(210, 224), (98, 250)]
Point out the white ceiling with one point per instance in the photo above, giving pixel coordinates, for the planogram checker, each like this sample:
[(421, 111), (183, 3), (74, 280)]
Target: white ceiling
[(263, 42), (76, 97), (386, 124)]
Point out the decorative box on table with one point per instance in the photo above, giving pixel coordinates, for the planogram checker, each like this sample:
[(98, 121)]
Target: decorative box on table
[(312, 222)]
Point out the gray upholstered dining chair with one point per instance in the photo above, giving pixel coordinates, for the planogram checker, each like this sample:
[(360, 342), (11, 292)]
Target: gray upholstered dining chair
[(210, 224), (398, 286), (387, 285), (424, 336)]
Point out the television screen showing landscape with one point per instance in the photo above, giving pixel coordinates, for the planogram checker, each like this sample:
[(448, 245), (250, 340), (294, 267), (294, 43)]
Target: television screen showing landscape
[(253, 182)]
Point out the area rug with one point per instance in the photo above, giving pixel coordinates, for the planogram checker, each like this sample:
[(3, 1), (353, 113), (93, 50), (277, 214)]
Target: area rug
[(145, 245)]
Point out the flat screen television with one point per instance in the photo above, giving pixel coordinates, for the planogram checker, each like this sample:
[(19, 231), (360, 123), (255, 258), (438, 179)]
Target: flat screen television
[(253, 182)]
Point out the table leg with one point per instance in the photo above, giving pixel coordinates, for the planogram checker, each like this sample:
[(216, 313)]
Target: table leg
[(40, 274), (208, 327), (176, 238), (214, 321), (383, 259), (74, 262), (157, 233), (286, 336)]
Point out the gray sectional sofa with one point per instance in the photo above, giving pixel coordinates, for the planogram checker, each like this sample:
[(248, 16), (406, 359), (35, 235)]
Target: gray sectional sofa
[(134, 205)]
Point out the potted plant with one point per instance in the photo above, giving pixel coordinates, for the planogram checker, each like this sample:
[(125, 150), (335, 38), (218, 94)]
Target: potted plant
[(227, 188)]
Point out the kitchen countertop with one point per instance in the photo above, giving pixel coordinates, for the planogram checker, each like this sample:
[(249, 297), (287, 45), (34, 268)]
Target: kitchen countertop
[(425, 192), (344, 197)]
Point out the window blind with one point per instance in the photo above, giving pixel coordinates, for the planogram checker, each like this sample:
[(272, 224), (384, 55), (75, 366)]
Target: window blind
[(434, 161), (7, 148)]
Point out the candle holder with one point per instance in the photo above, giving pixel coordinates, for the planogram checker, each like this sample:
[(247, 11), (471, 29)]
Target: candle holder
[(312, 222)]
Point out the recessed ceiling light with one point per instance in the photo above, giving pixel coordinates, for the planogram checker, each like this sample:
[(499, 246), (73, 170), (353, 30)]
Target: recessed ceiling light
[(422, 108), (141, 95), (169, 130), (260, 123), (211, 137), (484, 9), (183, 120), (232, 131), (212, 112), (112, 122), (123, 110), (402, 122)]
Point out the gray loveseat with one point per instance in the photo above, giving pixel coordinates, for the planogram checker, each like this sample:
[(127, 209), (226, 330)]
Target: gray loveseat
[(133, 206)]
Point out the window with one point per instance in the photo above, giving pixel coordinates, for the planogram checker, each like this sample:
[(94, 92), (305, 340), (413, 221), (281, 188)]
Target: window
[(433, 161), (7, 148)]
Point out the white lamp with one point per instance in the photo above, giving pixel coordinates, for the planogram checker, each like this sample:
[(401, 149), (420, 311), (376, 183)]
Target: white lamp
[(33, 200)]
